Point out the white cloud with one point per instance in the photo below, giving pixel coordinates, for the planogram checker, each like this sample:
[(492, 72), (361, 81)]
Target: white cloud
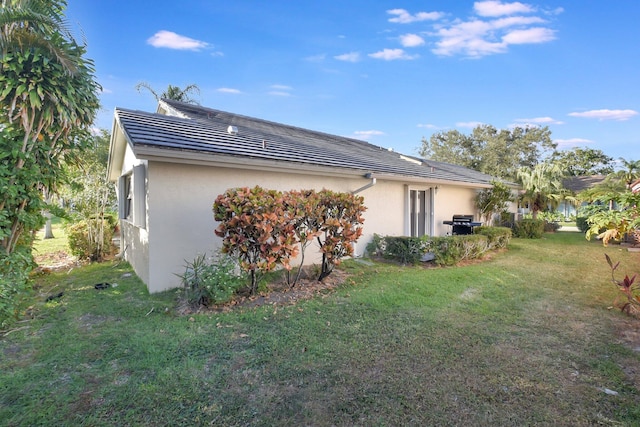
[(468, 124), (515, 21), (281, 87), (367, 134), (401, 16), (392, 54), (541, 120), (496, 8), (172, 40), (348, 57), (481, 35), (427, 126), (228, 90), (411, 40), (530, 35), (604, 114), (279, 93), (316, 58), (572, 142)]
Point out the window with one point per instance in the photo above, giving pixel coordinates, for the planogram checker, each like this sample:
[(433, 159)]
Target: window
[(420, 203), (127, 200), (132, 196)]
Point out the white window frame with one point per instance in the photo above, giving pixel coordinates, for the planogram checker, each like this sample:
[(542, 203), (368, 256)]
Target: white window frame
[(414, 226), (132, 191)]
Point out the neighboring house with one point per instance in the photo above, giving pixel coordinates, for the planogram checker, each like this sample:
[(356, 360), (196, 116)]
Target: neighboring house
[(635, 186), (576, 184), (170, 167)]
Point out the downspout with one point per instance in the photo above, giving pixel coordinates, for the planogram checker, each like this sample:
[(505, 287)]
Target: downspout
[(369, 185)]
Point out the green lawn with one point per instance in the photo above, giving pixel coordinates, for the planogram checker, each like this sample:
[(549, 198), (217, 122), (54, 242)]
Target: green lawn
[(525, 338)]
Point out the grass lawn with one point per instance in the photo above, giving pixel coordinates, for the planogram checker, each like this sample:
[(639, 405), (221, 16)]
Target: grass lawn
[(525, 338)]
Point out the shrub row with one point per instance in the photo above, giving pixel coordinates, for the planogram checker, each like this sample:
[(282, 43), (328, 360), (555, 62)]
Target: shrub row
[(448, 250)]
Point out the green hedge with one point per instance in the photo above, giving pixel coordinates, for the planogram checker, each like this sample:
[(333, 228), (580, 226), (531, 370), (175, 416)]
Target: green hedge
[(448, 250), (529, 228), (499, 237)]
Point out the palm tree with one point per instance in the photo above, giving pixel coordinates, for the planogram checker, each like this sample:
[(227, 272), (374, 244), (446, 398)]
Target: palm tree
[(173, 92), (29, 24), (631, 173), (542, 186)]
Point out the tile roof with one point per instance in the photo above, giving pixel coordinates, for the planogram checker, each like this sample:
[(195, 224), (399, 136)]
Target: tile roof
[(580, 183), (192, 128)]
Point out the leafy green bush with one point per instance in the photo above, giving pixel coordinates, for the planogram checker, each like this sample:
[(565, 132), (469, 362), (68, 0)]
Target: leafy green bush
[(407, 250), (551, 226), (450, 250), (376, 246), (14, 281), (211, 281), (90, 238), (498, 237), (582, 224), (529, 228)]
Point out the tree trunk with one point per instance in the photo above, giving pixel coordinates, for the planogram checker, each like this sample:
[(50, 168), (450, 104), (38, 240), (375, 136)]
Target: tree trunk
[(48, 232)]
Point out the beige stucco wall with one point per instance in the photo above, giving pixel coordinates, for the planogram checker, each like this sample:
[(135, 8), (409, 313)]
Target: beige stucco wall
[(180, 225), (452, 200)]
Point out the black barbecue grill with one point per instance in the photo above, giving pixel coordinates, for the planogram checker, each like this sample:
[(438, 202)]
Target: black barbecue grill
[(462, 224)]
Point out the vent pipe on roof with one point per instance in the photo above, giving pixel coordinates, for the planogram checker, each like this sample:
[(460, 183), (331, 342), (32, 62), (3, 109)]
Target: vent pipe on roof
[(232, 130)]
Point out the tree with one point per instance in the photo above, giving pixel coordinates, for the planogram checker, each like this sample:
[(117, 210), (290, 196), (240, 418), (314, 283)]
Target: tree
[(35, 24), (92, 198), (173, 92), (542, 186), (495, 152), (48, 100), (494, 200), (44, 112), (631, 171), (583, 161)]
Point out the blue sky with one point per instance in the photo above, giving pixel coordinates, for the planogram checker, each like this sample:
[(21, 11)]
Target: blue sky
[(388, 72)]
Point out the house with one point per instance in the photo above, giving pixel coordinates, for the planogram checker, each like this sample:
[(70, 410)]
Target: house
[(169, 167), (576, 184)]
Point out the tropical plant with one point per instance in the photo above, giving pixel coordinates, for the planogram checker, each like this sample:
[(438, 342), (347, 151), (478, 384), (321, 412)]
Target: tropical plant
[(299, 209), (614, 224), (44, 111), (252, 230), (494, 200), (340, 218), (174, 93), (209, 281), (630, 173), (627, 287), (542, 185), (36, 24), (48, 100)]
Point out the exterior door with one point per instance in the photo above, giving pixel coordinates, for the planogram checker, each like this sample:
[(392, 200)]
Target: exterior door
[(420, 204)]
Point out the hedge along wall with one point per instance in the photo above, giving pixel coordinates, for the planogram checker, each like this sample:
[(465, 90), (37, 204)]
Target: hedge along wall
[(448, 250)]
